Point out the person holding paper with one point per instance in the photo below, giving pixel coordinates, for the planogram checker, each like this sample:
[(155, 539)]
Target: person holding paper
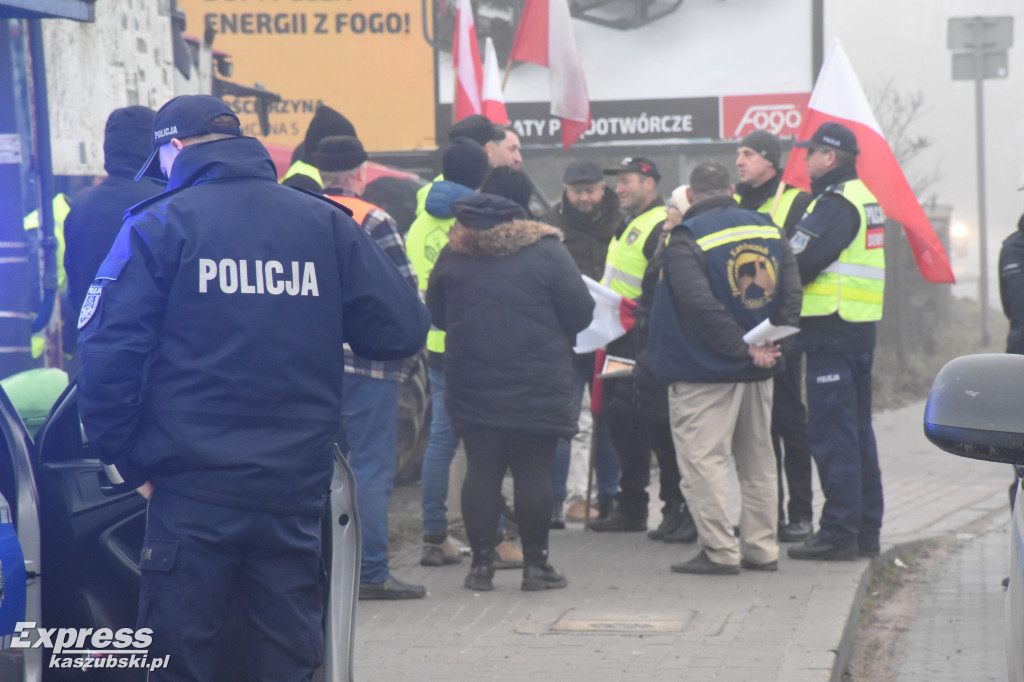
[(724, 271), (758, 162), (840, 251)]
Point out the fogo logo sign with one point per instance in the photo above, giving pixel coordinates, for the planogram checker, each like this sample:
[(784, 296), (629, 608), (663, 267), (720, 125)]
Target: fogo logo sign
[(778, 114)]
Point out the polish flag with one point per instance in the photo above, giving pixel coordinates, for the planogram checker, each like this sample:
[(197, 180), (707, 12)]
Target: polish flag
[(613, 317), (545, 37), (838, 97), (469, 72), (493, 99)]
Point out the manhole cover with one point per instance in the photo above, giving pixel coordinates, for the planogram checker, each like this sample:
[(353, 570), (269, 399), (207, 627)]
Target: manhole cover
[(575, 621)]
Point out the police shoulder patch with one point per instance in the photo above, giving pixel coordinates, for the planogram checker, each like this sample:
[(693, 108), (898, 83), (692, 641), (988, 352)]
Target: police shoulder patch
[(798, 242), (92, 301)]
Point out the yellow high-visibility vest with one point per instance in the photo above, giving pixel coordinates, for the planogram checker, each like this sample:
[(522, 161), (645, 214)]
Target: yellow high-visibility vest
[(854, 285)]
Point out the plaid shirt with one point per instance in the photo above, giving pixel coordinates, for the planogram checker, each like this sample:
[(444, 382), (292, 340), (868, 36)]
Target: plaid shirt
[(382, 229)]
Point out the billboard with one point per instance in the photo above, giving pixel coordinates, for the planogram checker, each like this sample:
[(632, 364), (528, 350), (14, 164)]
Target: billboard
[(692, 71), (367, 59)]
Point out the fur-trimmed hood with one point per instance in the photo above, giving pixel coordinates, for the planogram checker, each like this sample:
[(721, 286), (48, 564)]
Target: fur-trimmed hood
[(501, 240)]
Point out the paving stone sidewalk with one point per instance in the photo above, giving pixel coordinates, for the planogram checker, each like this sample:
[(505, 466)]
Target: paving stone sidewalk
[(626, 617)]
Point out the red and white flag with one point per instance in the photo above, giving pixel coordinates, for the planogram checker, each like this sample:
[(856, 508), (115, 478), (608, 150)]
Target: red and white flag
[(613, 317), (493, 99), (469, 72), (838, 97), (545, 37)]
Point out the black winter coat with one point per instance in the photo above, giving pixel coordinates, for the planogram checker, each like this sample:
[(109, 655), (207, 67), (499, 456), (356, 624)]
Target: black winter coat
[(511, 301)]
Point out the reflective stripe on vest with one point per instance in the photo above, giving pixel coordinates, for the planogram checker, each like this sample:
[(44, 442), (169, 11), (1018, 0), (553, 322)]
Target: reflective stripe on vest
[(625, 264), (427, 235), (854, 285), (737, 234)]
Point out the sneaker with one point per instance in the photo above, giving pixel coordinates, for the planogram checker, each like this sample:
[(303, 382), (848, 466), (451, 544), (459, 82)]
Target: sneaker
[(617, 522), (869, 552), (440, 554), (703, 565), (578, 510), (754, 566), (796, 531), (480, 578), (819, 550), (508, 555), (557, 516), (392, 588), (685, 532), (537, 577)]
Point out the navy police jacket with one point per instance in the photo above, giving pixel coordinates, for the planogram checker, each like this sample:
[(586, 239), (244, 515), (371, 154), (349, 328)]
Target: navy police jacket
[(211, 340)]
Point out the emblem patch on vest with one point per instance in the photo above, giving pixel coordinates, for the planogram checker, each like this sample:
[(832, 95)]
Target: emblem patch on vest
[(633, 235), (753, 273), (92, 301), (875, 238)]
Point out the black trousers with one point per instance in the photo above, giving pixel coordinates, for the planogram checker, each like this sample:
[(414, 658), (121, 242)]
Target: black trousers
[(490, 452), (635, 436), (789, 439)]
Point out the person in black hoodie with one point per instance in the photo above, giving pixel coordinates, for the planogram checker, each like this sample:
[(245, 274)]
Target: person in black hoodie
[(97, 214), (511, 301)]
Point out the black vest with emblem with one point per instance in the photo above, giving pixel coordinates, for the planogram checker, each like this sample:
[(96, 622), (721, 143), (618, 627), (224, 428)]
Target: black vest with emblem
[(743, 254)]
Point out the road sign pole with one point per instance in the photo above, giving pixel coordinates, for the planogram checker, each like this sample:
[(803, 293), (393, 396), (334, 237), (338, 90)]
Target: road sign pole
[(979, 127)]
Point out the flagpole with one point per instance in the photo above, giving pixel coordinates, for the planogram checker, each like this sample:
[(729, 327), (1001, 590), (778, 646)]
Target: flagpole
[(508, 70)]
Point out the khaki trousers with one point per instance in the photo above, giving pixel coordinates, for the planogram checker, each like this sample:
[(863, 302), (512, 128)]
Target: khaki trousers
[(714, 425)]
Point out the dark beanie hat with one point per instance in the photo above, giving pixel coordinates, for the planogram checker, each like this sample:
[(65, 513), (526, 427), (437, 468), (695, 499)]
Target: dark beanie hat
[(484, 211), (465, 162), (339, 153), (765, 144), (326, 122), (477, 128), (127, 140)]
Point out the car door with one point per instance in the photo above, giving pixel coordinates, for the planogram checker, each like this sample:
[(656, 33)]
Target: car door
[(20, 581), (91, 532), (92, 537)]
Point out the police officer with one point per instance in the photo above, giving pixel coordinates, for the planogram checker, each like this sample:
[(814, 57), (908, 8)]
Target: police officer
[(1011, 287), (839, 248), (758, 160), (212, 367)]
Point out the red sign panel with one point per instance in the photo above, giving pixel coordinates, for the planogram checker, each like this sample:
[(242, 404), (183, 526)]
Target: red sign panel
[(778, 114)]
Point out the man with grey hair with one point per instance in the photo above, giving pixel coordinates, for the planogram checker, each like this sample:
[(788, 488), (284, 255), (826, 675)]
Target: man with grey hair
[(369, 408), (725, 270)]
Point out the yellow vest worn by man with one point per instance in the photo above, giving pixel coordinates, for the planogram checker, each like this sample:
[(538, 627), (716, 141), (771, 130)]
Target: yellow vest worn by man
[(625, 264), (854, 285)]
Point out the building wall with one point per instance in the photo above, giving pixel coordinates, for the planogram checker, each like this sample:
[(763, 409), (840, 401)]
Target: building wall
[(124, 58)]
